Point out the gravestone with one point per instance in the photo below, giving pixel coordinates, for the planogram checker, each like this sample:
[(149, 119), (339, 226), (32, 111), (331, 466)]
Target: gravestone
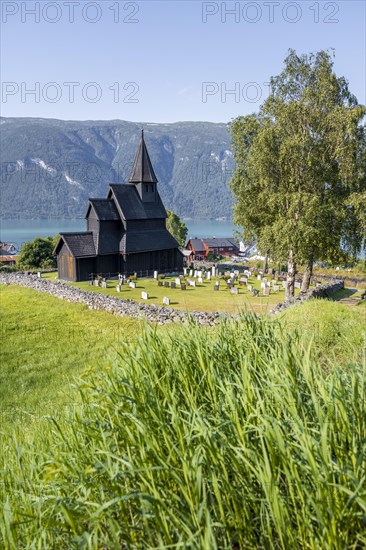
[(155, 274), (192, 283), (297, 285), (259, 277), (266, 291), (208, 276), (177, 281), (200, 280), (90, 283), (191, 272), (166, 301), (284, 284), (250, 288), (132, 284), (185, 270), (234, 290), (144, 295), (268, 284), (243, 281), (39, 274), (264, 279), (104, 284), (255, 292), (199, 273), (213, 271), (166, 284), (96, 282), (173, 285), (276, 288), (263, 286), (195, 273), (118, 288), (216, 287), (160, 283), (183, 286), (236, 272)]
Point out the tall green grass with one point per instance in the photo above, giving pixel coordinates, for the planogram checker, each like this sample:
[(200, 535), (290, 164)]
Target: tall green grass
[(233, 438)]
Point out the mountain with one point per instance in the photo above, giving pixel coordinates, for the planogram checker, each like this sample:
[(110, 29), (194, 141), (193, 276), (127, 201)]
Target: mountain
[(49, 168)]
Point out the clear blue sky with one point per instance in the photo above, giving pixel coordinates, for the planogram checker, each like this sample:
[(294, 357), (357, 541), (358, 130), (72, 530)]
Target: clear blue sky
[(166, 56)]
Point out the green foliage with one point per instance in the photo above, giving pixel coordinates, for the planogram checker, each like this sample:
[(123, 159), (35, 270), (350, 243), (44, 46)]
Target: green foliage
[(38, 253), (299, 165), (177, 228), (230, 438)]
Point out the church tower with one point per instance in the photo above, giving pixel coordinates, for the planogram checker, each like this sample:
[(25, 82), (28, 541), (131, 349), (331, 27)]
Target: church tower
[(143, 175)]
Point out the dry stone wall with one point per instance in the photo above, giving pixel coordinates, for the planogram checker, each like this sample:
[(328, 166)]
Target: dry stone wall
[(129, 308)]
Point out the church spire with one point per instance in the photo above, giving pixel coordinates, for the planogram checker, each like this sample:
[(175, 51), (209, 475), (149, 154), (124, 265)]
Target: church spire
[(142, 171)]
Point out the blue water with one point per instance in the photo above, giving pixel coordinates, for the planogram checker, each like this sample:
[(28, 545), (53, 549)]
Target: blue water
[(21, 231)]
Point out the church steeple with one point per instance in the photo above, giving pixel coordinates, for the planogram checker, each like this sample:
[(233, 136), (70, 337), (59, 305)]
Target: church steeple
[(142, 171)]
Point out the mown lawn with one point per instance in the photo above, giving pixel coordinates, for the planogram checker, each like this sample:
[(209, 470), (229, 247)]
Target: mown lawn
[(45, 344), (200, 298)]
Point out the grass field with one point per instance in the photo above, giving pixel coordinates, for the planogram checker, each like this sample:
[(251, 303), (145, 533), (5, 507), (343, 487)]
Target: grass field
[(45, 343), (247, 435), (200, 298)]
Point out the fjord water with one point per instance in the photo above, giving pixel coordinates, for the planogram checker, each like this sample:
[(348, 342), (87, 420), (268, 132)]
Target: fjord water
[(21, 231)]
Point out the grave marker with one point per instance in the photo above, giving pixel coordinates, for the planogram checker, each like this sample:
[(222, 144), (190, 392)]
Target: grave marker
[(234, 290), (177, 281), (160, 283), (118, 288), (250, 288), (266, 291), (183, 286), (166, 284), (144, 295), (155, 274), (200, 280), (166, 301), (173, 285), (208, 276), (132, 284), (276, 288), (297, 285)]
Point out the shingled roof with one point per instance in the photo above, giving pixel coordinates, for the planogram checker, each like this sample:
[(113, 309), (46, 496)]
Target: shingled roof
[(80, 244), (105, 209), (142, 170), (130, 205), (156, 239)]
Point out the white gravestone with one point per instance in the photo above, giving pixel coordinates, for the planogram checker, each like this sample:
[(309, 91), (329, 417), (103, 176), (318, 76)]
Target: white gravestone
[(104, 284), (266, 291), (192, 283), (132, 284), (166, 301), (155, 274), (297, 285), (213, 270), (208, 276), (200, 280), (144, 295), (234, 290), (38, 274), (259, 277), (250, 288), (191, 273), (177, 281), (118, 288), (199, 273), (195, 273), (96, 282), (263, 286), (185, 270)]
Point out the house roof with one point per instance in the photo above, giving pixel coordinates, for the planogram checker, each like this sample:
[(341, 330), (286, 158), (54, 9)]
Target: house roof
[(11, 258), (6, 248), (142, 170), (105, 209), (79, 244), (223, 242), (155, 239), (131, 206), (197, 245)]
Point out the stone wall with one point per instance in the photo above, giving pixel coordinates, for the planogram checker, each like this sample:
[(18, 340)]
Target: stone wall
[(321, 291), (129, 308), (118, 306)]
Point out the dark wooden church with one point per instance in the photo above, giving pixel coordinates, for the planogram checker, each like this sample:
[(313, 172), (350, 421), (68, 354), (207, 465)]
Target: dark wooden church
[(126, 232)]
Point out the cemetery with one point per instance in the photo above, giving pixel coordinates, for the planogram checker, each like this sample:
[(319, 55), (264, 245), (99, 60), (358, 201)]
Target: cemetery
[(197, 290)]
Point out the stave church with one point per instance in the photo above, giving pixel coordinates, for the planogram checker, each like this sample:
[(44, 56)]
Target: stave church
[(126, 231)]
